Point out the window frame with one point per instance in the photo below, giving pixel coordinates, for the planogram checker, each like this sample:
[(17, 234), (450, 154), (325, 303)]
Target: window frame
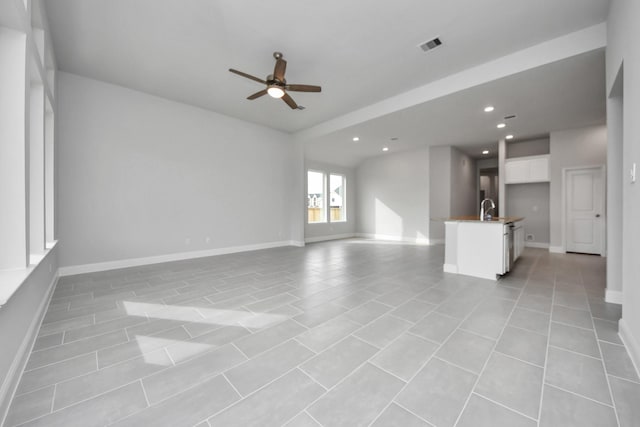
[(324, 219), (344, 197), (326, 203)]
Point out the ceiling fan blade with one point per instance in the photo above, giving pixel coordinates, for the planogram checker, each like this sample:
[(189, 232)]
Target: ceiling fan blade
[(257, 94), (303, 88), (249, 76), (290, 102), (278, 71)]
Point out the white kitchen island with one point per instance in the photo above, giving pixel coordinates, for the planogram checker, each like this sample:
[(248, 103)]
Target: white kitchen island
[(484, 249)]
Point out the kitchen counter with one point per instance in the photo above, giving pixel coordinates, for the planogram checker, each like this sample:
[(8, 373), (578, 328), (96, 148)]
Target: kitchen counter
[(474, 218), (482, 249)]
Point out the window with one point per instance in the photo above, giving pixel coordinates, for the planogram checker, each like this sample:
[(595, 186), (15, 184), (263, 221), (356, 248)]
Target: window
[(337, 198), (326, 196), (26, 154), (315, 197)]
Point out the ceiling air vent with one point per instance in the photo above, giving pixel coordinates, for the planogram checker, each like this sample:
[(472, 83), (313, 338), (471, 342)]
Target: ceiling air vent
[(431, 44)]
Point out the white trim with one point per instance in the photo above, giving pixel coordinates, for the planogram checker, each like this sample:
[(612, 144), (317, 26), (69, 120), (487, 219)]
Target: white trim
[(556, 249), (14, 374), (135, 262), (297, 243), (436, 241), (536, 245), (613, 297), (632, 345), (12, 279), (329, 237), (393, 238), (450, 268)]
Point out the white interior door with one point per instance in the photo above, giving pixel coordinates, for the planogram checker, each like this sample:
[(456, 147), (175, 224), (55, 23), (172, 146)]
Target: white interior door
[(585, 210)]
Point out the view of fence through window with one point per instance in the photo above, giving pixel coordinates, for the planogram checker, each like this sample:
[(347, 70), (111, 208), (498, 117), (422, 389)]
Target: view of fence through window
[(337, 198), (315, 197)]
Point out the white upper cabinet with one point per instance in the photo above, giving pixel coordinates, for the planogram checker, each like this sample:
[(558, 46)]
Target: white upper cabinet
[(526, 169)]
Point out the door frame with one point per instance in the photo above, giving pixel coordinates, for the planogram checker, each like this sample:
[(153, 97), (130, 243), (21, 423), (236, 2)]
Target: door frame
[(603, 204)]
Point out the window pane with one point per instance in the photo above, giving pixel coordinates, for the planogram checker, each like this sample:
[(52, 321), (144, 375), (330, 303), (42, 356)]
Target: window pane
[(337, 198), (315, 197)]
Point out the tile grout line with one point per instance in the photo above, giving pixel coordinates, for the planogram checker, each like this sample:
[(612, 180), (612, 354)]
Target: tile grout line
[(361, 326), (510, 409), (546, 355), (133, 381), (223, 374), (604, 367), (406, 409), (493, 349), (623, 379), (580, 395), (574, 352), (310, 416), (379, 351), (144, 392), (518, 359), (434, 354)]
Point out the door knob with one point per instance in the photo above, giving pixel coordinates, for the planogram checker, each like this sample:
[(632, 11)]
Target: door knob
[(597, 215)]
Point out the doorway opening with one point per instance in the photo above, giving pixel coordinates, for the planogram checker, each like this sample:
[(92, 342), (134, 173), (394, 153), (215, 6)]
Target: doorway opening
[(489, 187)]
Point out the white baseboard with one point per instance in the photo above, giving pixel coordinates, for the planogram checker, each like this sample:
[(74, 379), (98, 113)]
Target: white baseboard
[(556, 249), (12, 379), (450, 268), (614, 297), (136, 262), (329, 237), (297, 243), (537, 245), (393, 238), (632, 345), (436, 241)]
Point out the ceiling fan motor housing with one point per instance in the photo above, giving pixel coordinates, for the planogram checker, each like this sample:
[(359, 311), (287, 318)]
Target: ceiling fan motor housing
[(277, 86)]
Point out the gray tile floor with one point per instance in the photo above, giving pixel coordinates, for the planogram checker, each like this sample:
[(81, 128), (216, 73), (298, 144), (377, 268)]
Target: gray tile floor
[(343, 333)]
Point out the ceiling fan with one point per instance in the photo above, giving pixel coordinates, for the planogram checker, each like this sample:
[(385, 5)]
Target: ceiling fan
[(277, 86)]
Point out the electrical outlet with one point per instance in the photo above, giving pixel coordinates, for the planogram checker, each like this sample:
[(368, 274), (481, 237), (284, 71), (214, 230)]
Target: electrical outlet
[(530, 237), (187, 241), (207, 240)]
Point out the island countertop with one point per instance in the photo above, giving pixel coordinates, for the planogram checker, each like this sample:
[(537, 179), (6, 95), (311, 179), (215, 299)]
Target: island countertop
[(474, 218)]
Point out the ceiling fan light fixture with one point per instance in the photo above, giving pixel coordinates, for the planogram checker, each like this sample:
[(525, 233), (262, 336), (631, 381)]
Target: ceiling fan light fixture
[(275, 91)]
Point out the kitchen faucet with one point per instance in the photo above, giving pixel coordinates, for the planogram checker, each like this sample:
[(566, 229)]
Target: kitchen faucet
[(485, 213)]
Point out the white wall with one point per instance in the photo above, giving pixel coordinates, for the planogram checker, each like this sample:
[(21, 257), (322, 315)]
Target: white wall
[(623, 34), (142, 176), (327, 230), (439, 191), (571, 148), (393, 196)]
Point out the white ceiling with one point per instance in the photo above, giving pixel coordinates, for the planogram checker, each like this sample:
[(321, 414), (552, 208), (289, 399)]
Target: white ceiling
[(360, 52), (563, 95)]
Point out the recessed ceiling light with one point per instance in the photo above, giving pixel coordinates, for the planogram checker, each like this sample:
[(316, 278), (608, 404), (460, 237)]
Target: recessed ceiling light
[(485, 152), (385, 149), (509, 137), (488, 108), (501, 125), (356, 139), (394, 138)]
